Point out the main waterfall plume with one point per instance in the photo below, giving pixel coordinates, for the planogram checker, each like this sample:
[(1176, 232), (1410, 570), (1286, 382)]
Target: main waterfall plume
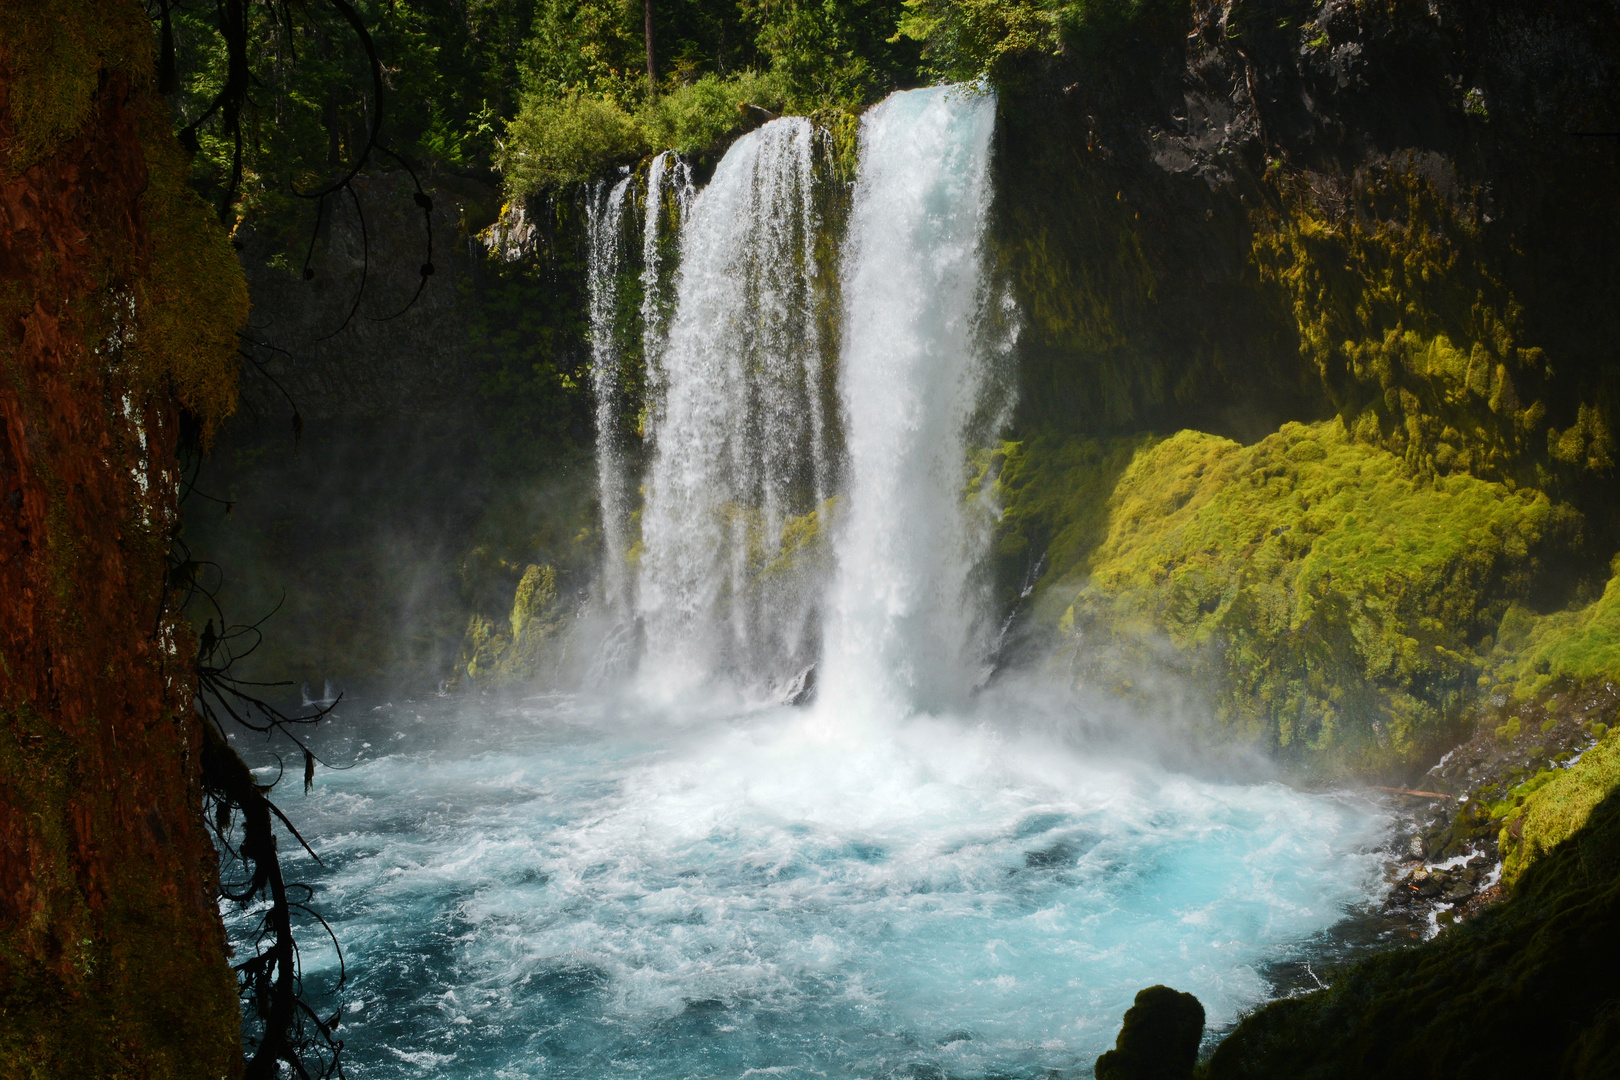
[(738, 499), (913, 373)]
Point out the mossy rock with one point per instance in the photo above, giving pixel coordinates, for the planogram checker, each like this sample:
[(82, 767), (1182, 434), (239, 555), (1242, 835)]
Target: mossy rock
[(1554, 806), (1336, 600), (1535, 651), (533, 651)]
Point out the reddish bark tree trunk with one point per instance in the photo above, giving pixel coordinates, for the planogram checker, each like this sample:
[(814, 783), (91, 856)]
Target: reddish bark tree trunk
[(112, 954)]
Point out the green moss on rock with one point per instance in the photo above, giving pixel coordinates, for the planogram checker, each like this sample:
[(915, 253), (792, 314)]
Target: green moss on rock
[(1534, 651), (1413, 334), (533, 650), (1553, 806), (1337, 600)]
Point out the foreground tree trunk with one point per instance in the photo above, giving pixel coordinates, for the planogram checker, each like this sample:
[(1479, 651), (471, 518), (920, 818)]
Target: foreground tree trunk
[(118, 305), (652, 60)]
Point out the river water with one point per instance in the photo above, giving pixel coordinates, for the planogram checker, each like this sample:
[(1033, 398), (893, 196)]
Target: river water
[(561, 887)]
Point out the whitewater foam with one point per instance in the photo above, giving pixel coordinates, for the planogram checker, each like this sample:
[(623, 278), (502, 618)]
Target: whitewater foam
[(563, 890)]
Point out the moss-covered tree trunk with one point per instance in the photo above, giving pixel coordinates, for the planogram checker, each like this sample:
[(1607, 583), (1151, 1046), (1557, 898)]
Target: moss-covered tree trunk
[(118, 303)]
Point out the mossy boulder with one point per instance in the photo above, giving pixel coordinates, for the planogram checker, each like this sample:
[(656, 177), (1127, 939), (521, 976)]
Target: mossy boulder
[(533, 651), (1339, 603)]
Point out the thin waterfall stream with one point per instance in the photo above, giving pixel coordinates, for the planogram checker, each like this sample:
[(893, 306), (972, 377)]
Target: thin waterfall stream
[(676, 874)]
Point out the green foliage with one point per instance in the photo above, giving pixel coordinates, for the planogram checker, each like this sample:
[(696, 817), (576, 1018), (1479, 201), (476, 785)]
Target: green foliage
[(1336, 601), (964, 39), (552, 143), (695, 117), (452, 77), (833, 52), (587, 105), (585, 46)]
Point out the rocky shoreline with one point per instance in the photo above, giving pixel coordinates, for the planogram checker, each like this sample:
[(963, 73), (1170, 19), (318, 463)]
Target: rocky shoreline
[(1447, 863)]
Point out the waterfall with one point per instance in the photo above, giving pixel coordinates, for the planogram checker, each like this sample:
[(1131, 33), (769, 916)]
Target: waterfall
[(604, 214), (734, 574), (666, 169), (737, 461), (913, 374)]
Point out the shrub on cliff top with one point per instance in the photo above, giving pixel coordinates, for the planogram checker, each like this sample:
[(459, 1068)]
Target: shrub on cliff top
[(964, 39), (556, 141)]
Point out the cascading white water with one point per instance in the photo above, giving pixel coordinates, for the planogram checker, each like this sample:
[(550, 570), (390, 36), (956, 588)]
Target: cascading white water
[(736, 435), (901, 624), (604, 218), (667, 169)]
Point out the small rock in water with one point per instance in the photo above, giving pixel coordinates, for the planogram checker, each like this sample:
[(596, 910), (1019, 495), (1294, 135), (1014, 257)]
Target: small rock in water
[(1159, 1040), (801, 690)]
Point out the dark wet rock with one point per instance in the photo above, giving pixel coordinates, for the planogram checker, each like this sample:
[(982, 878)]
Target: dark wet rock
[(705, 1007), (1061, 853), (1514, 742), (801, 689), (1159, 1040)]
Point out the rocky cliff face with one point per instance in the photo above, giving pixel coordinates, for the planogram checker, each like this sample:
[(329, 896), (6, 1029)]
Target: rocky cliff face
[(117, 318), (409, 443), (1393, 213)]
